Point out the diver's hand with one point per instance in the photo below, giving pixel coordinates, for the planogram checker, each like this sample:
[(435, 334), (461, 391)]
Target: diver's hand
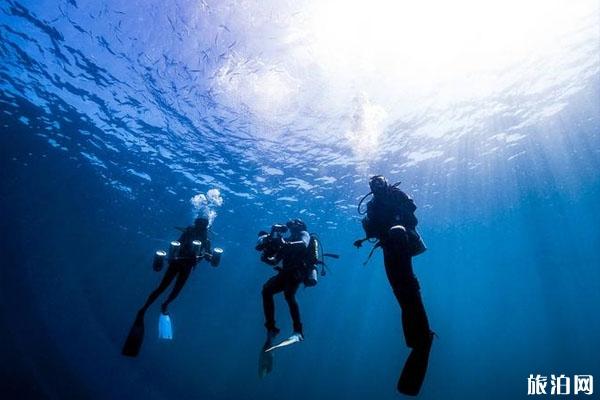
[(269, 260)]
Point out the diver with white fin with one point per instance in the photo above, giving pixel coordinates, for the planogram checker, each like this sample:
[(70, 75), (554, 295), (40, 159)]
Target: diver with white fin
[(300, 254), (390, 220), (184, 254)]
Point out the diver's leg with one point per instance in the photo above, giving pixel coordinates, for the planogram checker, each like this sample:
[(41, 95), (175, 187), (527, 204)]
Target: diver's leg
[(398, 267), (270, 288), (290, 296), (164, 284), (418, 336), (182, 277), (414, 321)]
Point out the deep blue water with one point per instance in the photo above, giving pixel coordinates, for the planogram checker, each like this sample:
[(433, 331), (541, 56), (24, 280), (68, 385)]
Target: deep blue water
[(114, 115)]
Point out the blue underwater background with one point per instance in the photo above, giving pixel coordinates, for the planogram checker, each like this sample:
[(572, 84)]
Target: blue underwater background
[(114, 114)]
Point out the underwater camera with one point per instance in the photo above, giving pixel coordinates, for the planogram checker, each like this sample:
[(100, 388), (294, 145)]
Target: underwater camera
[(270, 243), (197, 248), (175, 253), (174, 249), (215, 258), (159, 260), (160, 256)]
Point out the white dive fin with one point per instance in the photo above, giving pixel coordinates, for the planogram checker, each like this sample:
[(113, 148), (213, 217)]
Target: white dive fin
[(165, 329), (295, 338)]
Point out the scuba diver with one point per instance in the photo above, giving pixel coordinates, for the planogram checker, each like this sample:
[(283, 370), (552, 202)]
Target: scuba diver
[(299, 253), (391, 221), (184, 254), (291, 274)]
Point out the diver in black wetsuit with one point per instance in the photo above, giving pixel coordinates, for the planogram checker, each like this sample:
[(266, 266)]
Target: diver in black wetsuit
[(182, 265), (179, 269), (390, 219), (291, 252), (299, 253)]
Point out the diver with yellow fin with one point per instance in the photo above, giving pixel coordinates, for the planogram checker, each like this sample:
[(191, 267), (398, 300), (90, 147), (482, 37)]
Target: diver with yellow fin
[(390, 219), (184, 254), (295, 255)]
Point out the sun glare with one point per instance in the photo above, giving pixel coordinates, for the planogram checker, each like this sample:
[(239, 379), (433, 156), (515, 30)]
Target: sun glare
[(430, 41)]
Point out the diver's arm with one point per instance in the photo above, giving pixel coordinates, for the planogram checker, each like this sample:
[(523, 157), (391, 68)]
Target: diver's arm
[(369, 229), (368, 224)]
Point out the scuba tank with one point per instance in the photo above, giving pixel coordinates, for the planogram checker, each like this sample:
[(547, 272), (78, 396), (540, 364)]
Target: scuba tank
[(312, 260), (416, 243), (407, 239), (159, 260), (312, 278), (315, 257)]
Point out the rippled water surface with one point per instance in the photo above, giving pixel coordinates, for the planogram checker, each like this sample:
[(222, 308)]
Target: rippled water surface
[(115, 113)]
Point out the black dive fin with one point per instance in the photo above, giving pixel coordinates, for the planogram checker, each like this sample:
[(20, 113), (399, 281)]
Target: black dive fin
[(134, 340), (265, 361), (413, 374)]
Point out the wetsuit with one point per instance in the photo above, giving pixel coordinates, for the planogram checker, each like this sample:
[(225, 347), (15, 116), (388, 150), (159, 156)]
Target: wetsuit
[(390, 218), (181, 267), (290, 275)]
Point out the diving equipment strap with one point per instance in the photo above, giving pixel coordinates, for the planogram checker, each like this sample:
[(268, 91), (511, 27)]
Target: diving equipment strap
[(376, 246)]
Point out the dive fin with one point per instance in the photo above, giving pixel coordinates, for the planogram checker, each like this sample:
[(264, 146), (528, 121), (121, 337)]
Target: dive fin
[(413, 374), (295, 338), (165, 329), (265, 360), (134, 340)]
